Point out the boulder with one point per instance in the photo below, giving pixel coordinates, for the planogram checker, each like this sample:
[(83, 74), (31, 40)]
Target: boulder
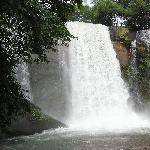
[(30, 124)]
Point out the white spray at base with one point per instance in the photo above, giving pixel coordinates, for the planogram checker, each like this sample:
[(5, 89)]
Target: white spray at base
[(98, 96)]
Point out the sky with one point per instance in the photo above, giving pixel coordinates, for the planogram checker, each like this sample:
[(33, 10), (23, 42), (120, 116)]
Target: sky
[(88, 1)]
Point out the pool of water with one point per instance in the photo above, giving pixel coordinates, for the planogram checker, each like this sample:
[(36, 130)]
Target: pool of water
[(71, 139)]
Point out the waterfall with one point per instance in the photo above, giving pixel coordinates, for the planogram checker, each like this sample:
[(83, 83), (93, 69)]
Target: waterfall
[(135, 89), (142, 39), (98, 97), (22, 76), (144, 36), (133, 55)]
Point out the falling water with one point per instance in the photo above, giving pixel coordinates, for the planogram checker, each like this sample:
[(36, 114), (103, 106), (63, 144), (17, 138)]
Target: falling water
[(135, 92), (144, 36), (98, 96), (22, 76), (133, 54)]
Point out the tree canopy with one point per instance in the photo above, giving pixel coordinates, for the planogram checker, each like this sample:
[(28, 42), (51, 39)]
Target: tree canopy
[(27, 27), (32, 26), (135, 13)]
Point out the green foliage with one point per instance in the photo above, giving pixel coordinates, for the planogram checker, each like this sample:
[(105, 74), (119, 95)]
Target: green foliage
[(84, 13), (138, 15), (139, 77), (36, 114), (104, 12), (27, 27), (12, 100), (32, 27), (122, 35), (135, 12), (127, 74)]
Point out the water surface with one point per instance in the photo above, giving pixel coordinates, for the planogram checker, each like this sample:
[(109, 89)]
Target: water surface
[(70, 139)]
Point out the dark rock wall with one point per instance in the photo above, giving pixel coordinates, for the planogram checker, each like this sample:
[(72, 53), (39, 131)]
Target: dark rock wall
[(48, 87)]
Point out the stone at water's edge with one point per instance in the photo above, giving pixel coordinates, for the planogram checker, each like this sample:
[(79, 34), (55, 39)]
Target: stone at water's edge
[(29, 126)]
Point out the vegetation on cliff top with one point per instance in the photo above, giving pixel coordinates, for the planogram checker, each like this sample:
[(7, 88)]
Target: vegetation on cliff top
[(135, 13)]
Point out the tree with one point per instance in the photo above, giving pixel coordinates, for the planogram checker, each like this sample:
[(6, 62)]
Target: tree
[(138, 15), (27, 27), (33, 27), (84, 13), (12, 100), (106, 10), (135, 12)]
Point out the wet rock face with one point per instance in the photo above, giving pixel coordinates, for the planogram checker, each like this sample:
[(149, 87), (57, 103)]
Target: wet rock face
[(136, 60), (28, 126), (121, 39), (122, 53), (48, 88)]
